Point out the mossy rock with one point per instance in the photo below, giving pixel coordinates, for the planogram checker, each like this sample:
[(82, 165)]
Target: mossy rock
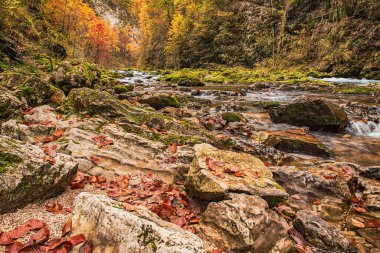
[(317, 114), (8, 160), (9, 104), (191, 82), (232, 117), (161, 101), (121, 89)]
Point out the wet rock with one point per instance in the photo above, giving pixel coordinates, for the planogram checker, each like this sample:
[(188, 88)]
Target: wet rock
[(25, 177), (320, 234), (317, 114), (296, 140), (213, 122), (314, 182), (332, 209), (9, 104), (372, 235), (203, 184), (113, 229), (161, 101), (242, 223), (178, 112)]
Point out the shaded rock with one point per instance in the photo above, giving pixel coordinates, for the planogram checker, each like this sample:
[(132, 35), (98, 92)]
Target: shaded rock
[(320, 234), (372, 235), (38, 92), (161, 101), (213, 122), (113, 229), (314, 182), (243, 223), (9, 104), (371, 172), (16, 131), (121, 89), (317, 114), (25, 177), (258, 180), (296, 140)]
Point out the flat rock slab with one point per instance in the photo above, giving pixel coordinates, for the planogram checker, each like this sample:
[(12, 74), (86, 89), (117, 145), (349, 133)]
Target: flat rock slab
[(113, 229), (295, 140), (244, 223), (25, 177), (257, 180)]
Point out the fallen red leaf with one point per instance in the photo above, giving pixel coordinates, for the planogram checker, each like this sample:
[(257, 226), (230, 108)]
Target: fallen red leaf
[(59, 116), (239, 174), (15, 247), (95, 160), (29, 111), (76, 239), (49, 151), (373, 224), (173, 148), (87, 247), (40, 237), (59, 132), (217, 251), (5, 238), (47, 139), (316, 202), (67, 228), (360, 209), (194, 221), (55, 208), (50, 160), (128, 207), (179, 221)]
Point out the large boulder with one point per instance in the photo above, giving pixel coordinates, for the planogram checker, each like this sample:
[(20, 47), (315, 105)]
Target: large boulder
[(25, 177), (210, 176), (323, 236), (113, 229), (9, 104), (37, 91), (244, 223), (318, 114), (296, 140), (95, 102), (161, 101)]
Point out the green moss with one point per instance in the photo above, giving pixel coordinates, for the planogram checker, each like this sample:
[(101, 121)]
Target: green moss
[(269, 104), (120, 89), (232, 117), (7, 160)]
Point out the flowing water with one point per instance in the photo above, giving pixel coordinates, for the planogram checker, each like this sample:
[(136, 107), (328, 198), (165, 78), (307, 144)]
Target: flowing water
[(341, 80), (360, 143)]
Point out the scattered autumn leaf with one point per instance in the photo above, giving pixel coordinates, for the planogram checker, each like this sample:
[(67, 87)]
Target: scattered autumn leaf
[(59, 116), (128, 207), (95, 160), (173, 148), (67, 228), (87, 247), (59, 132), (373, 224), (55, 208), (316, 202), (360, 209), (50, 160), (28, 111)]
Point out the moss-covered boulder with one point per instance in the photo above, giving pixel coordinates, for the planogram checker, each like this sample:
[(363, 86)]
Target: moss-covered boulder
[(232, 117), (122, 89), (68, 76), (37, 91), (214, 173), (161, 101), (191, 82), (296, 140), (25, 177), (95, 102), (317, 114), (9, 104)]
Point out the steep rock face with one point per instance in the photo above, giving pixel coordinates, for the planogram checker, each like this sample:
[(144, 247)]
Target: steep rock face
[(9, 104), (243, 223), (204, 179), (25, 177), (318, 114), (113, 229)]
